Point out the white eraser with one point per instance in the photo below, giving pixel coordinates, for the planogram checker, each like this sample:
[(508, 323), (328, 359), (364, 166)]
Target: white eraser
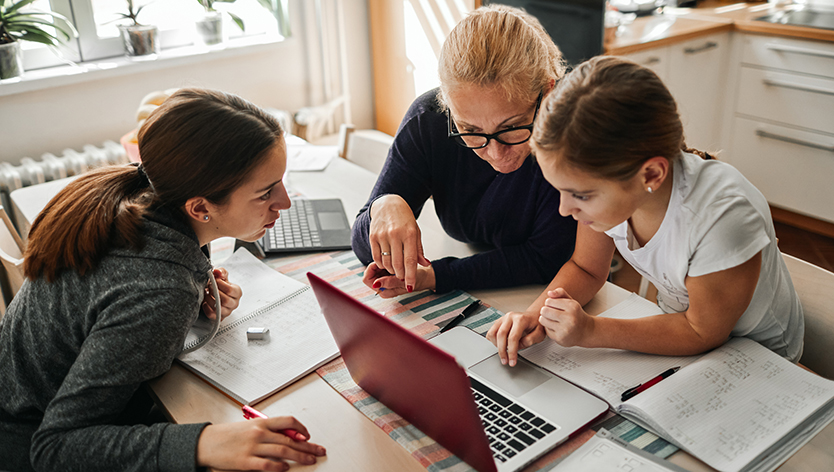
[(254, 334)]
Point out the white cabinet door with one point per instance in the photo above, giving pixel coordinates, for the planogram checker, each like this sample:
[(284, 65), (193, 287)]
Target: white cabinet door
[(656, 59), (698, 80)]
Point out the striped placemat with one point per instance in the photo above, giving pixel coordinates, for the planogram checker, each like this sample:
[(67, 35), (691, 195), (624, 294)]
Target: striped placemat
[(421, 313)]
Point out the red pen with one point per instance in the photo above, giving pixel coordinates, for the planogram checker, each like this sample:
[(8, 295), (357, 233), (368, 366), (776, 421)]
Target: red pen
[(250, 413), (644, 386)]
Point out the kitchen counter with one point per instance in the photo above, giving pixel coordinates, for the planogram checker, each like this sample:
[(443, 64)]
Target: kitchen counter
[(681, 24)]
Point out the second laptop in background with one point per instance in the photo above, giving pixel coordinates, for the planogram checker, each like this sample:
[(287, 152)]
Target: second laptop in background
[(309, 225)]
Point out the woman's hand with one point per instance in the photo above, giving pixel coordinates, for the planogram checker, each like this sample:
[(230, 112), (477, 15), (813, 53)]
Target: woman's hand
[(395, 240), (229, 295), (513, 332), (389, 286), (564, 320), (256, 444)]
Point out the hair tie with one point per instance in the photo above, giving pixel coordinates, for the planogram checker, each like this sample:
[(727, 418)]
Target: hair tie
[(140, 169)]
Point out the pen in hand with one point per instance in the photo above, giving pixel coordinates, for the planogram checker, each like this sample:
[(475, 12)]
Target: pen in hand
[(472, 308), (644, 386), (250, 413)]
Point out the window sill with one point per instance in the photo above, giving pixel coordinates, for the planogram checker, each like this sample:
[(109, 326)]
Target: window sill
[(40, 79)]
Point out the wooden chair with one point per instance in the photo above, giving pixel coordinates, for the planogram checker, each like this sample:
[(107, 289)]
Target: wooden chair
[(366, 148), (11, 256), (815, 287)]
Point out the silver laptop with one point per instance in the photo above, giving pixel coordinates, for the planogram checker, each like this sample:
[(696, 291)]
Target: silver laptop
[(454, 388)]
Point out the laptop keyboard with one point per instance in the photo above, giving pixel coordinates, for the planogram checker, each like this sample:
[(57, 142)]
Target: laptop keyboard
[(295, 229), (510, 428)]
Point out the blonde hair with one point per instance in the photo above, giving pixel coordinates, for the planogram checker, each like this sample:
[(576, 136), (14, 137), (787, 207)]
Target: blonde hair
[(501, 46), (607, 117)]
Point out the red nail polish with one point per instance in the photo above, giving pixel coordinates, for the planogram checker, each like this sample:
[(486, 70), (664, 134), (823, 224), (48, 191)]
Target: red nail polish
[(377, 284), (410, 288)]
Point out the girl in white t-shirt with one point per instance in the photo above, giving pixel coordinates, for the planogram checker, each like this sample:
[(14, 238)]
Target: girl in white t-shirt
[(609, 138)]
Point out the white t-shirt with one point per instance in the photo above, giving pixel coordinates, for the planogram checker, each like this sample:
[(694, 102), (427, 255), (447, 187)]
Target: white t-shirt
[(717, 220)]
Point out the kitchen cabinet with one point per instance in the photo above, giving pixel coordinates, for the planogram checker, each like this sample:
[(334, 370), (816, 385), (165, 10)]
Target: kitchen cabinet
[(782, 136), (695, 72)]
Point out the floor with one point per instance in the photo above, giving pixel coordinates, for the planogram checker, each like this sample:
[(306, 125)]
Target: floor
[(810, 247)]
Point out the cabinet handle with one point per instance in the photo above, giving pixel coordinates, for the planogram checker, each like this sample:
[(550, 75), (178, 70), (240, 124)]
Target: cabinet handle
[(788, 139), (709, 45), (651, 60), (803, 87), (798, 50)]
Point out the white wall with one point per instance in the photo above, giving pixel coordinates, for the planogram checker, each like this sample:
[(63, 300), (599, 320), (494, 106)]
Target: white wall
[(90, 112)]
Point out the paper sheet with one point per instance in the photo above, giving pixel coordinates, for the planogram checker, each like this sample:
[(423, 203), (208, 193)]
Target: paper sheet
[(309, 158), (606, 372), (298, 342)]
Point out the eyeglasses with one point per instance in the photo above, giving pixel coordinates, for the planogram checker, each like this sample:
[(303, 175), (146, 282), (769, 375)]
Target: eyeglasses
[(509, 137)]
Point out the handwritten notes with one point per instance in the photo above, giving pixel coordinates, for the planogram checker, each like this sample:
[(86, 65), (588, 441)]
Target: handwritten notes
[(733, 404), (298, 341)]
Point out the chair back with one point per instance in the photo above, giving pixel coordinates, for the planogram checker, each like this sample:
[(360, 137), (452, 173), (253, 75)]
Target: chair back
[(815, 287), (366, 148), (11, 257)]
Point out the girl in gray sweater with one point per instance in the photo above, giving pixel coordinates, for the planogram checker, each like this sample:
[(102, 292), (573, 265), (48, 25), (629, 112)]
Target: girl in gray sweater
[(116, 275)]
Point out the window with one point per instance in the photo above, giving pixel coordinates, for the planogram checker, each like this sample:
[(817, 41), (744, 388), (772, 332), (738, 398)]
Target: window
[(97, 23)]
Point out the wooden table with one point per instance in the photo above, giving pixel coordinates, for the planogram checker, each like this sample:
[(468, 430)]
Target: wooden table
[(354, 443)]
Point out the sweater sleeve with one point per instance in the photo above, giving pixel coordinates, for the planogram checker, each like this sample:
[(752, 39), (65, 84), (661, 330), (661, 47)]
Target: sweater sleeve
[(534, 261), (134, 339), (406, 173)]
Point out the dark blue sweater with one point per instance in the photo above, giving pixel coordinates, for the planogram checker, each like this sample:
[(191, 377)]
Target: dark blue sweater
[(515, 214)]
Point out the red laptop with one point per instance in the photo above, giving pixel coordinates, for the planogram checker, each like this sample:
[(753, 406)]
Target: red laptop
[(454, 388)]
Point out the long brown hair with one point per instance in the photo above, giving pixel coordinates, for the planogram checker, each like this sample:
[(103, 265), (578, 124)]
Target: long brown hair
[(607, 117), (501, 46), (197, 143)]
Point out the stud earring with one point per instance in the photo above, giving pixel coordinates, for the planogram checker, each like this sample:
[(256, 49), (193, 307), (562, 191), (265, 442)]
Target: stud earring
[(206, 217), (648, 189)]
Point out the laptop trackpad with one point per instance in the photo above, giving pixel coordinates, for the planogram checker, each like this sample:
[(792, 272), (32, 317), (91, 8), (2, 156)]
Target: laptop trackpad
[(516, 380), (331, 221)]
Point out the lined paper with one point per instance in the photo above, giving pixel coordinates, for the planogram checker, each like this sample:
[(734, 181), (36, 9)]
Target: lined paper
[(733, 403), (606, 373), (299, 340)]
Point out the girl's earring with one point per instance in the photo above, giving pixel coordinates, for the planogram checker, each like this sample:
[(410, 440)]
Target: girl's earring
[(206, 217), (648, 189)]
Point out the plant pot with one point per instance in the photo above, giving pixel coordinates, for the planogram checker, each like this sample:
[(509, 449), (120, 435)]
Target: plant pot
[(140, 41), (11, 60), (209, 29)]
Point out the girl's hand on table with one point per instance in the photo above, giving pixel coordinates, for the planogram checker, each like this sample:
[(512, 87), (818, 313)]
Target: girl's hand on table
[(395, 240), (564, 320), (256, 444)]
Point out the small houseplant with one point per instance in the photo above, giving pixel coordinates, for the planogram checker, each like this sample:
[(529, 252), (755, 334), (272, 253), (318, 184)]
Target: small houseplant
[(210, 26), (139, 40), (30, 25)]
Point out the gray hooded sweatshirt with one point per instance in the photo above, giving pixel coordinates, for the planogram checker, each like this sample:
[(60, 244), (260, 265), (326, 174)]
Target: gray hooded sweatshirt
[(74, 351)]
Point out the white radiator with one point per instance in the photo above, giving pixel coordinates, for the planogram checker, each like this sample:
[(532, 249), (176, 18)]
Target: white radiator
[(51, 167)]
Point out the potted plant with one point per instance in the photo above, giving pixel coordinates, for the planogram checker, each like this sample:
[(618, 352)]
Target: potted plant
[(210, 26), (29, 25), (141, 41)]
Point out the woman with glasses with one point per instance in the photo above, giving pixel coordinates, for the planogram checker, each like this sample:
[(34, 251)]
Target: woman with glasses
[(466, 146)]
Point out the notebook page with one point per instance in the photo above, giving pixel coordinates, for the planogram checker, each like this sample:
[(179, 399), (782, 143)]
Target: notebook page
[(298, 342), (606, 373), (733, 403), (261, 286), (260, 283)]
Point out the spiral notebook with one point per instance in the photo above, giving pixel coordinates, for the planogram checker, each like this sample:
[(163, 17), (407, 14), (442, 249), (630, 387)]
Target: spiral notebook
[(297, 343)]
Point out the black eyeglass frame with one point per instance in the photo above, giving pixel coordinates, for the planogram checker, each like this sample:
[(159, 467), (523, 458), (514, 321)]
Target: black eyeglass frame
[(458, 137)]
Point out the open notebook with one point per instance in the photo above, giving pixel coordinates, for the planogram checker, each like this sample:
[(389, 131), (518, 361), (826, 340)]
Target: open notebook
[(739, 407), (298, 341)]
